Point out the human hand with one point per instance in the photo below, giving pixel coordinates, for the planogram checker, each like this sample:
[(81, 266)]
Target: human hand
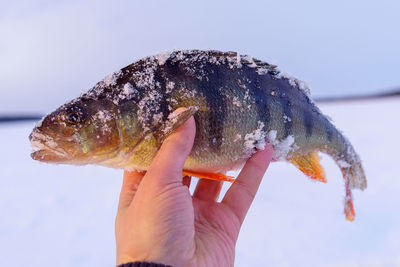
[(159, 221)]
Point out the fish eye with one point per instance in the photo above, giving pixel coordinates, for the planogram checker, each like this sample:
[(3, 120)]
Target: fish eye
[(74, 117), (75, 114)]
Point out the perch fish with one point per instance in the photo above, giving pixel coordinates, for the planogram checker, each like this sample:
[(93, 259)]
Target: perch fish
[(239, 104)]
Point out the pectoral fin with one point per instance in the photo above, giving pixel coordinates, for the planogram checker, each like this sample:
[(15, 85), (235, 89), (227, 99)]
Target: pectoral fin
[(174, 121), (309, 165)]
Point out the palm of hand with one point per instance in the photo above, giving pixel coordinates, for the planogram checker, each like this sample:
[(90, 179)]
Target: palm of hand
[(159, 221)]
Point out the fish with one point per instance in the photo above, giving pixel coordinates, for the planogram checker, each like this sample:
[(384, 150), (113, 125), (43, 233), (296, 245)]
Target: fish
[(239, 103)]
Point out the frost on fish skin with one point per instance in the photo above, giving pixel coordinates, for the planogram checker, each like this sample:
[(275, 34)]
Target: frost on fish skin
[(104, 116), (109, 80), (258, 139), (281, 147), (149, 110), (127, 92), (236, 102), (343, 164), (255, 140), (302, 85), (39, 123), (162, 57)]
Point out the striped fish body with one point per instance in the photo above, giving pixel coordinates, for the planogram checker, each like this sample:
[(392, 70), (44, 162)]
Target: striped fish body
[(239, 104)]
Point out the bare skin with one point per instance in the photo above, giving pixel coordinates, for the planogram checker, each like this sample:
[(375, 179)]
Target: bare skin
[(158, 220)]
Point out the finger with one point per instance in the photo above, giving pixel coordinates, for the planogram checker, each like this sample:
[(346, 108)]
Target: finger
[(186, 180), (207, 189), (130, 185), (167, 165), (242, 192)]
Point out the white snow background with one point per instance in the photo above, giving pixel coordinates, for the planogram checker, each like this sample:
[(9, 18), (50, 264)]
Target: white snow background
[(51, 51), (64, 215)]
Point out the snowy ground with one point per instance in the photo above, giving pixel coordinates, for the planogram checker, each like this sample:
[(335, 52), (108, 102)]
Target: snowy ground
[(64, 215)]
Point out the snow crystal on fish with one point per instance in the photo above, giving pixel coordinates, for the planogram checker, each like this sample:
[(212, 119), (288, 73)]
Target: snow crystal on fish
[(103, 115), (249, 60), (238, 60), (145, 78), (343, 164), (111, 79), (281, 147), (147, 107), (171, 120), (169, 86), (39, 123), (262, 71), (162, 57), (127, 92), (236, 102), (255, 140), (295, 82), (157, 118), (286, 118)]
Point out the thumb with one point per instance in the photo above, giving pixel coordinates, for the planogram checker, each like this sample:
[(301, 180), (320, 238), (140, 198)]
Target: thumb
[(167, 165)]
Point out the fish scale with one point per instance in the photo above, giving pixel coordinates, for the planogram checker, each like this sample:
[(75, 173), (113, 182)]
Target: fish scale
[(239, 103)]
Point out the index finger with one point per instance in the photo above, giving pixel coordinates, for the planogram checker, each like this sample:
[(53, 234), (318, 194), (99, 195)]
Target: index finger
[(167, 165), (243, 190)]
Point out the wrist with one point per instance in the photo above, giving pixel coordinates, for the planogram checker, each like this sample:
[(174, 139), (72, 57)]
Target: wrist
[(126, 260), (143, 264)]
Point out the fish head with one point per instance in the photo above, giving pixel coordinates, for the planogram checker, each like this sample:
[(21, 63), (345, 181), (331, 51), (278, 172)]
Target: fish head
[(80, 132)]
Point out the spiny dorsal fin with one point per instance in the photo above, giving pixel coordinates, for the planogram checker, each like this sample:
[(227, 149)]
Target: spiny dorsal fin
[(309, 165)]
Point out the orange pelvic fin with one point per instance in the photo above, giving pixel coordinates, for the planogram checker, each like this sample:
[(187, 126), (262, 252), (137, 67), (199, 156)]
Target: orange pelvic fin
[(209, 175), (309, 165)]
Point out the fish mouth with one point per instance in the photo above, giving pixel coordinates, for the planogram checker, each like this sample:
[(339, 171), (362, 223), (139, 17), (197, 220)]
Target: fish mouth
[(45, 149), (47, 155)]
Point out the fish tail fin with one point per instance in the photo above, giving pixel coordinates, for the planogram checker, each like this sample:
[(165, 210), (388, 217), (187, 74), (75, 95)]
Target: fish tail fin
[(349, 164), (353, 173), (354, 177)]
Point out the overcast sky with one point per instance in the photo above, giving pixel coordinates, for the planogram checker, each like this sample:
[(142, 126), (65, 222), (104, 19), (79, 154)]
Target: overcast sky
[(51, 51)]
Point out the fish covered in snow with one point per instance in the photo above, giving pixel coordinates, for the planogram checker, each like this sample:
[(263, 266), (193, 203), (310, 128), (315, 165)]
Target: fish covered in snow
[(239, 104)]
